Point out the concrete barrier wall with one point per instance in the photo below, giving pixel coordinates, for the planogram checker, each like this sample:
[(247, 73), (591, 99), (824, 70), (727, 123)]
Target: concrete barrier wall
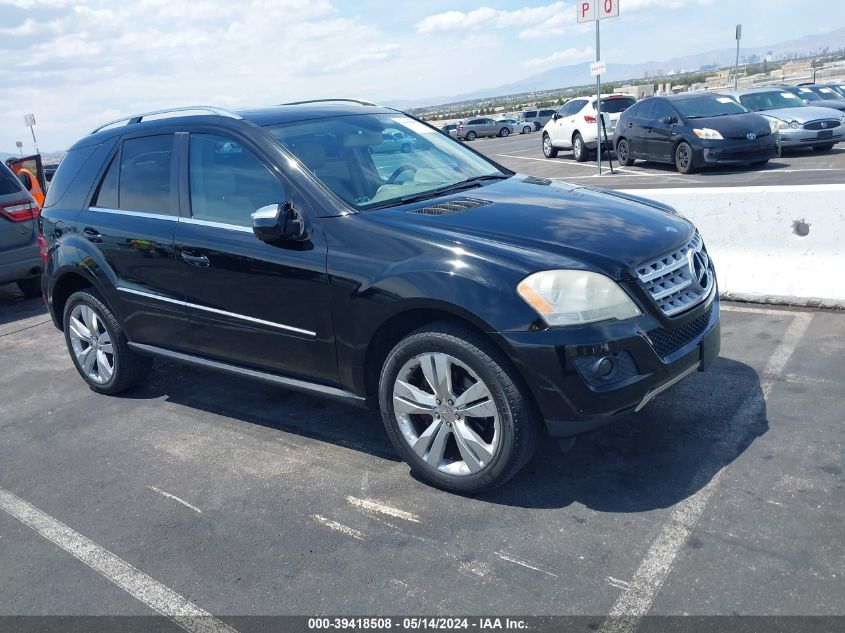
[(770, 244)]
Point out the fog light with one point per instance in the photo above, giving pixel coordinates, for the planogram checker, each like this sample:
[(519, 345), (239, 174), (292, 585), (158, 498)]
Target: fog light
[(603, 367)]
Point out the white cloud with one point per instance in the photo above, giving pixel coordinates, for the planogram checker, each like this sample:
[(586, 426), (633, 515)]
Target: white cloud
[(485, 17), (561, 58)]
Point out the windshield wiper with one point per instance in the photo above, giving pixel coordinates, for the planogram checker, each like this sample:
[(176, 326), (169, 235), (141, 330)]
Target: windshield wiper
[(469, 183)]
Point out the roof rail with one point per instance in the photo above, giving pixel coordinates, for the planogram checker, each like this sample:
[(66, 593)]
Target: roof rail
[(358, 101), (163, 114)]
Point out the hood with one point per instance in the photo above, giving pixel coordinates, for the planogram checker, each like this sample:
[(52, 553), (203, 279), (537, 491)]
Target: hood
[(734, 125), (802, 114), (547, 224), (835, 104)]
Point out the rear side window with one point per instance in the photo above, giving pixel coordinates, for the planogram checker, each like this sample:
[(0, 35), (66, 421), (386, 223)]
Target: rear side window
[(662, 110), (645, 109), (530, 114), (146, 165), (9, 183), (106, 196), (67, 171), (228, 183)]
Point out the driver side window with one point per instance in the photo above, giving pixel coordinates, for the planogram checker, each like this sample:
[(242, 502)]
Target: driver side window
[(228, 182)]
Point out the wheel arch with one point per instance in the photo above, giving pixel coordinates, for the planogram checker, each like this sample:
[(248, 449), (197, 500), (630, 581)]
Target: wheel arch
[(62, 287)]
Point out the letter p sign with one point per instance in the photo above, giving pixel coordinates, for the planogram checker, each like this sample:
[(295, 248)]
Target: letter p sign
[(589, 10), (586, 10)]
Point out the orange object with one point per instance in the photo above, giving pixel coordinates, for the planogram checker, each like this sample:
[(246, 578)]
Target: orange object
[(34, 186)]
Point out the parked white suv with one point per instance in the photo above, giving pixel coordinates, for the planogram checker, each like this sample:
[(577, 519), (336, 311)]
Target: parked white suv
[(574, 125)]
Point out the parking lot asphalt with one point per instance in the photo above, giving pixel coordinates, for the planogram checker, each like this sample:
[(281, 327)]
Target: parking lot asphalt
[(523, 153), (724, 496)]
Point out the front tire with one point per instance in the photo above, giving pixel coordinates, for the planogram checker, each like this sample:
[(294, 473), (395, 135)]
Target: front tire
[(98, 345), (454, 409), (579, 150), (549, 150), (527, 129), (31, 287), (504, 132), (470, 136), (623, 153), (683, 158)]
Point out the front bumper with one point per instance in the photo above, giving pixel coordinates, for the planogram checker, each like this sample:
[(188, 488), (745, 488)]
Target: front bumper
[(808, 138), (649, 356), (735, 152)]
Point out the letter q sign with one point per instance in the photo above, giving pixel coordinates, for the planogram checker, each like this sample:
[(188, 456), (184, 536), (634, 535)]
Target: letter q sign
[(589, 10)]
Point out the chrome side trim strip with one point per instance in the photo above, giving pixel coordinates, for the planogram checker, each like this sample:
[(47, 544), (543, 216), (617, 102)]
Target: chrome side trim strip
[(136, 214), (658, 390), (282, 381), (218, 225), (151, 295), (243, 317)]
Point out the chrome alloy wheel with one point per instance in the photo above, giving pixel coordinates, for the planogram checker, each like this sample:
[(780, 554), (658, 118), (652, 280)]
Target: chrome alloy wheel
[(446, 414), (91, 343)]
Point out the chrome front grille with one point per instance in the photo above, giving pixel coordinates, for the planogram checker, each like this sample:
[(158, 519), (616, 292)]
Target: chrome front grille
[(822, 124), (679, 280)]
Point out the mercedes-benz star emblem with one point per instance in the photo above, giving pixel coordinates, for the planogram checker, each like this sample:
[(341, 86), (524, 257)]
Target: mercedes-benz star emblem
[(697, 266), (751, 136)]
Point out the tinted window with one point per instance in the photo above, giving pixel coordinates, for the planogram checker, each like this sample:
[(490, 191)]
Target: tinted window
[(707, 106), (106, 196), (662, 110), (8, 182), (67, 171), (645, 109), (617, 104), (530, 114), (807, 94), (228, 183), (546, 112), (145, 169), (475, 122)]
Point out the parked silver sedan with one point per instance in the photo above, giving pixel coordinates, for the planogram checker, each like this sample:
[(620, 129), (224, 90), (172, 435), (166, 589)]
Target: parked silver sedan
[(476, 128), (800, 125)]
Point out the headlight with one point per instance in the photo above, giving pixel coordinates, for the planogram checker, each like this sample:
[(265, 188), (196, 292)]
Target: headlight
[(842, 121), (707, 133), (572, 297), (794, 125), (777, 126)]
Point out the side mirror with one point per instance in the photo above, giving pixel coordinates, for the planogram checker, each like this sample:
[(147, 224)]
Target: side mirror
[(670, 120), (278, 223), (556, 116)]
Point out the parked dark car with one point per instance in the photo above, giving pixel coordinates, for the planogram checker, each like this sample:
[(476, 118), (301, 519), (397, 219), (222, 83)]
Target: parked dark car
[(480, 310), (813, 95), (19, 238), (694, 130)]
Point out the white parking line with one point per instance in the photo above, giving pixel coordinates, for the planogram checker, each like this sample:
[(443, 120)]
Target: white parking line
[(175, 498), (377, 506), (338, 527), (133, 581), (636, 600), (522, 563)]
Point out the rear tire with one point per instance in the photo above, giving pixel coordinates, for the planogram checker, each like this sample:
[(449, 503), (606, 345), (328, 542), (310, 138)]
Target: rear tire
[(31, 287), (98, 345), (527, 129), (469, 136), (623, 153), (549, 150), (683, 158), (579, 150), (437, 446), (823, 148)]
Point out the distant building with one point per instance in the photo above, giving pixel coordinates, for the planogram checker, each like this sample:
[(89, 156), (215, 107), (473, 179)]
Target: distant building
[(639, 91)]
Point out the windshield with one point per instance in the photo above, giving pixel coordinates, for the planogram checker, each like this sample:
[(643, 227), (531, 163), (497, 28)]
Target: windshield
[(376, 160), (771, 100), (808, 95), (615, 105), (707, 106)]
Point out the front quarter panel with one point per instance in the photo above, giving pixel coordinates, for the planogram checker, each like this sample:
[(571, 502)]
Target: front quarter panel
[(377, 273)]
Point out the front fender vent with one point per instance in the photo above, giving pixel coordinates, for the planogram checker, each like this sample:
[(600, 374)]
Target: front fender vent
[(456, 205)]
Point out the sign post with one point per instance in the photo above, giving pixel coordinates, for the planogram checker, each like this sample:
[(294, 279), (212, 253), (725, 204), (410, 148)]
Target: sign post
[(736, 67), (595, 11), (29, 120)]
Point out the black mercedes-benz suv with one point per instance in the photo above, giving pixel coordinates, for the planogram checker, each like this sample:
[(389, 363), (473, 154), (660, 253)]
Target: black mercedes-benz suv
[(479, 309)]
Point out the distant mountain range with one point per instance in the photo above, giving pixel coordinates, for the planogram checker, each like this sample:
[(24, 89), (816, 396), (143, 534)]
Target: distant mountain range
[(4, 156), (579, 74)]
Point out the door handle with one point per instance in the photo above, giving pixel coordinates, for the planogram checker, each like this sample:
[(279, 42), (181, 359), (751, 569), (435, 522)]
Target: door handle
[(194, 260), (92, 235)]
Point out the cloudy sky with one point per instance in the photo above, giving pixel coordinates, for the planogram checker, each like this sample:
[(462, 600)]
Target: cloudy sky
[(78, 63)]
